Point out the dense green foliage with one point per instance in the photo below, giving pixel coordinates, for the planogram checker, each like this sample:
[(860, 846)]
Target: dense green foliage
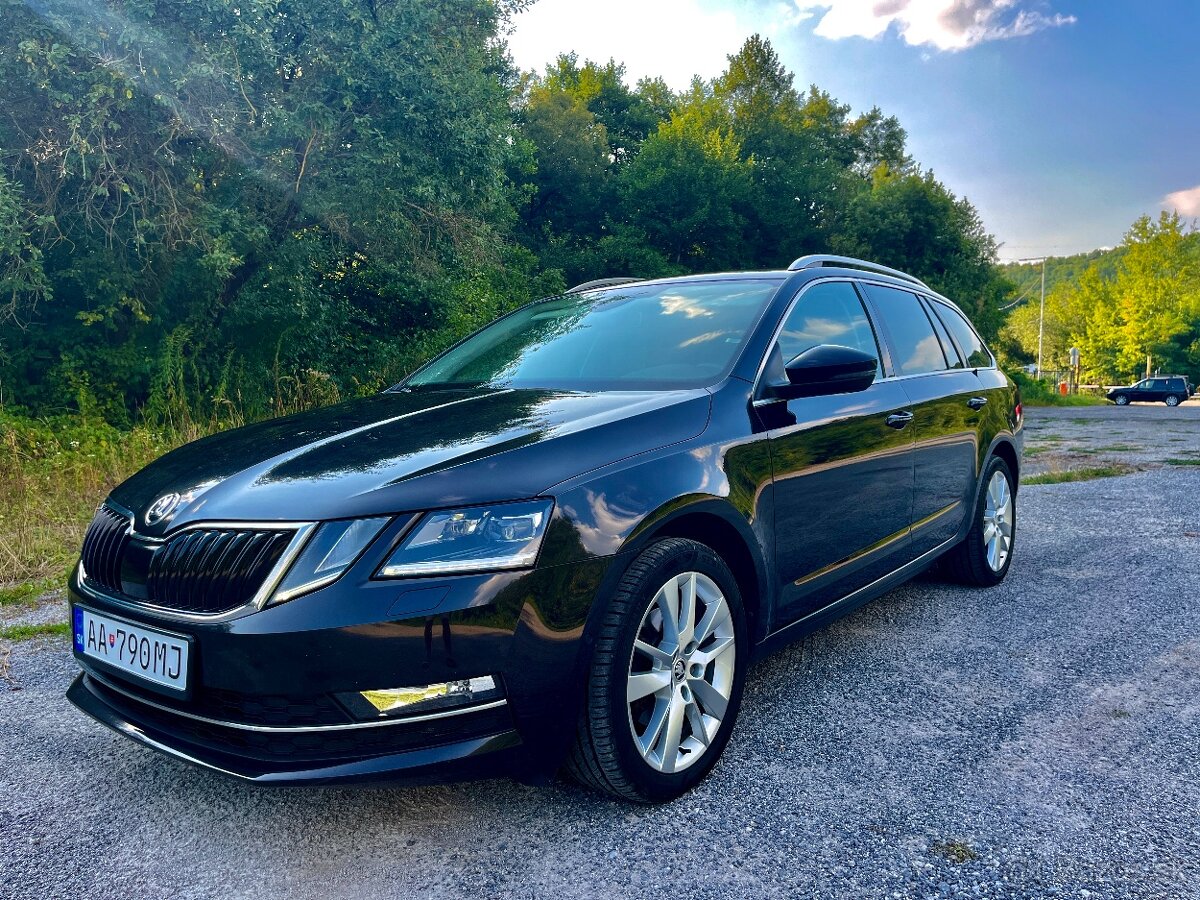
[(1119, 307), (210, 210)]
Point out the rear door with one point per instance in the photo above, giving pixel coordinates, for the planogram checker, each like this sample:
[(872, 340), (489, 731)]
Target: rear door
[(947, 400), (843, 464)]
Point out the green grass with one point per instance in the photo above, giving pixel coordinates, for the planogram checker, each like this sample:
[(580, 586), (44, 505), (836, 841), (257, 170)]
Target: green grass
[(28, 632), (1070, 475), (26, 593), (1175, 461), (1120, 448), (955, 851), (1060, 400)]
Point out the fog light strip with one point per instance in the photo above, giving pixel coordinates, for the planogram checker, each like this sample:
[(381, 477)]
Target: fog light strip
[(462, 691)]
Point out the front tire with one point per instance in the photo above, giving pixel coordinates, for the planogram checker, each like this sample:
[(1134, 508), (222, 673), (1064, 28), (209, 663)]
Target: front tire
[(983, 557), (666, 678), (1121, 400)]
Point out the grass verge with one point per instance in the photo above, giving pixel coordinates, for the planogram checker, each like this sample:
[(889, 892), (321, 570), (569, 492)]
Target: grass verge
[(28, 632), (53, 474), (1175, 461), (1085, 474)]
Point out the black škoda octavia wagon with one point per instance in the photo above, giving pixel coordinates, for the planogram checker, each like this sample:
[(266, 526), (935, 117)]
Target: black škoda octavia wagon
[(561, 543)]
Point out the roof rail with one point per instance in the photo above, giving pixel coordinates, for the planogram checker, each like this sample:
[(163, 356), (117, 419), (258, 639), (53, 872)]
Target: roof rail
[(600, 283), (816, 260)]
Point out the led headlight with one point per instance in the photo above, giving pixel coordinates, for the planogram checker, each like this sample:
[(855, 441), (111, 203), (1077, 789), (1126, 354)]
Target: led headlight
[(326, 556), (477, 539)]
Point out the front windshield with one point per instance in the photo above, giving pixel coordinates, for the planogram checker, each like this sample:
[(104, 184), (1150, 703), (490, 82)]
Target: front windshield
[(636, 337)]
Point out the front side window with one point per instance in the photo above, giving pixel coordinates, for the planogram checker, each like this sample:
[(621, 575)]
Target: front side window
[(915, 347), (972, 347), (635, 337), (827, 313)]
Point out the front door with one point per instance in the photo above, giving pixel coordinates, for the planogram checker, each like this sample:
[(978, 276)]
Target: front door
[(843, 466)]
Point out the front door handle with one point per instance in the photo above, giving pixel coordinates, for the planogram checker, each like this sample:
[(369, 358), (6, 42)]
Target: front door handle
[(977, 402), (899, 420)]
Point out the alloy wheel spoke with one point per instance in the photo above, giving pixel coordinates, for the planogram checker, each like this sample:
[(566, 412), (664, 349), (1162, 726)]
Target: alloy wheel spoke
[(687, 609), (714, 702), (673, 733), (655, 653), (646, 683), (713, 651), (658, 721), (696, 719), (668, 602)]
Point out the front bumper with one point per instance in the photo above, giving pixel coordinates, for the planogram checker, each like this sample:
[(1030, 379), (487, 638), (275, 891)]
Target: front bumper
[(429, 757), (262, 704)]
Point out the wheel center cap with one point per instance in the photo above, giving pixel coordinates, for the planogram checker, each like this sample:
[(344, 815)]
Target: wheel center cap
[(678, 670)]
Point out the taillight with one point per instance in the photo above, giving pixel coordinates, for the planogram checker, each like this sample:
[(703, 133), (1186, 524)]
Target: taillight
[(1017, 411)]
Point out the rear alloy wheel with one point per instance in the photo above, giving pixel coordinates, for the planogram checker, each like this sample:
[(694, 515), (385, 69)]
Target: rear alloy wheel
[(1121, 400), (1172, 400), (984, 556), (666, 679)]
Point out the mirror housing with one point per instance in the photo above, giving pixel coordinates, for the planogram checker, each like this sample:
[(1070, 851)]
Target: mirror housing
[(822, 370)]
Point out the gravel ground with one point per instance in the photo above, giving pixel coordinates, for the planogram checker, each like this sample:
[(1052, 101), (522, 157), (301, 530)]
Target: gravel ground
[(1034, 740), (1138, 436)]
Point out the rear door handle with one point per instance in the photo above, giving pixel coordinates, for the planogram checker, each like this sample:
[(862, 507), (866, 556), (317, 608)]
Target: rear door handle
[(977, 402), (899, 420)]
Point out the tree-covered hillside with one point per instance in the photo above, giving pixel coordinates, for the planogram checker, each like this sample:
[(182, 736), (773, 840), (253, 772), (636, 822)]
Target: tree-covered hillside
[(210, 207), (1131, 310)]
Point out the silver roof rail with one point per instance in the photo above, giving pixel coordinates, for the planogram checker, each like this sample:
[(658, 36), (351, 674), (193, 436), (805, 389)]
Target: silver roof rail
[(849, 262), (600, 283)]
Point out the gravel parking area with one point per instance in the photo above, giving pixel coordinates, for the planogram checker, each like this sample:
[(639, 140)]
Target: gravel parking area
[(1034, 740), (1139, 436)]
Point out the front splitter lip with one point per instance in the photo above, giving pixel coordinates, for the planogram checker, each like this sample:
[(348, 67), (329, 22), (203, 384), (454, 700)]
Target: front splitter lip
[(479, 757)]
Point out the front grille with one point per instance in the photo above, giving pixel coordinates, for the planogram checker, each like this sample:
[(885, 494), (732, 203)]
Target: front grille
[(104, 546), (211, 571)]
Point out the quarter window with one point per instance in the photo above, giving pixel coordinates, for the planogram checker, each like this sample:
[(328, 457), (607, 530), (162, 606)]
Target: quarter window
[(977, 354), (915, 347), (948, 347), (827, 313)]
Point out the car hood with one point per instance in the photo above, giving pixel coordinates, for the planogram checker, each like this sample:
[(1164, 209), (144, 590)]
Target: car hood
[(406, 451)]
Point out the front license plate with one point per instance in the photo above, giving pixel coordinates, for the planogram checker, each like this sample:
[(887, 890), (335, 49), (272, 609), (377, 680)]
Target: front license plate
[(145, 653)]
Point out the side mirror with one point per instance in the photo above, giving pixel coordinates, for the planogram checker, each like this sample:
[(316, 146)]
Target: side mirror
[(825, 369)]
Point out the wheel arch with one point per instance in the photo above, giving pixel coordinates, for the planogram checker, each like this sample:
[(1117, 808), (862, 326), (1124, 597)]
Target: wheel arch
[(714, 522)]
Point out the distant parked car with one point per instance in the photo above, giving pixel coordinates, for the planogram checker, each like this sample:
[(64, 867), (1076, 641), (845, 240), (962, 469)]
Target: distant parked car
[(1169, 389)]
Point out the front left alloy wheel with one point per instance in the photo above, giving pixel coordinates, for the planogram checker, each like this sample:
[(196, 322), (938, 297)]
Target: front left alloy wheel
[(666, 679)]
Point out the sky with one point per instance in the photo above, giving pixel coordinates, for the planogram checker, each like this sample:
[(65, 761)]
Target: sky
[(1061, 120)]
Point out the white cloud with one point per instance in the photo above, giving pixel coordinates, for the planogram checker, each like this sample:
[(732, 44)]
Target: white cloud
[(1186, 202), (944, 24), (674, 39)]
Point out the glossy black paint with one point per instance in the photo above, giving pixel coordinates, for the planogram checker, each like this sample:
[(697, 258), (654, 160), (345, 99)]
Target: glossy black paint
[(817, 503)]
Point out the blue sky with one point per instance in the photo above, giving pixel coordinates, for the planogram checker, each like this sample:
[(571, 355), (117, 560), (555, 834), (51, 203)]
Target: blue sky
[(1061, 120)]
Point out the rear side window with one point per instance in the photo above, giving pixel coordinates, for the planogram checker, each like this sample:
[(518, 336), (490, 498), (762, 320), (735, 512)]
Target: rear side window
[(972, 347), (827, 313), (915, 347), (952, 357)]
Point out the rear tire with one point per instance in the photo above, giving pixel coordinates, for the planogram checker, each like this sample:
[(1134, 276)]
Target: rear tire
[(1171, 400), (686, 678), (983, 557), (1121, 400)]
